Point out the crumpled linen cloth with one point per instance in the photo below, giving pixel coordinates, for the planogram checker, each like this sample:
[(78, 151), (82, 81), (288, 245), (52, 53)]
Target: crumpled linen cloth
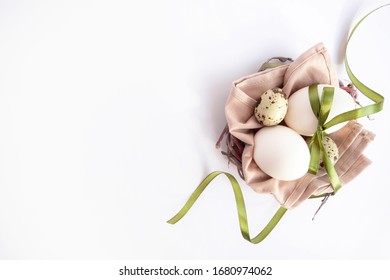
[(312, 67)]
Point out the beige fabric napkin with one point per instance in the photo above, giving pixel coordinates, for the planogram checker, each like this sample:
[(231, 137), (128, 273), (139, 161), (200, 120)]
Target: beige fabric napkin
[(312, 67)]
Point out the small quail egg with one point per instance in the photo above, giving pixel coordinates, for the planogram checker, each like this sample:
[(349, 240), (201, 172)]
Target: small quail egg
[(331, 149), (271, 107)]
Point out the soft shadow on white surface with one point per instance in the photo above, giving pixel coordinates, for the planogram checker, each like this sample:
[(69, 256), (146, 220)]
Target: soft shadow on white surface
[(109, 112)]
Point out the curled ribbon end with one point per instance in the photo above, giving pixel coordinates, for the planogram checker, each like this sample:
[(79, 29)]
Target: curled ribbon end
[(240, 204)]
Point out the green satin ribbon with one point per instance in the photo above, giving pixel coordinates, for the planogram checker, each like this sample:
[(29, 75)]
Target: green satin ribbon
[(321, 110), (241, 209)]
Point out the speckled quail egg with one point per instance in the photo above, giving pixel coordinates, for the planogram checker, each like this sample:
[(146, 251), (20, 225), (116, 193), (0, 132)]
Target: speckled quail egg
[(271, 107), (331, 149)]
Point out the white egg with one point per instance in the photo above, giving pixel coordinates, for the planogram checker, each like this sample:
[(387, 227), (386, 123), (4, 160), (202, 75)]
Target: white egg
[(301, 118), (281, 153)]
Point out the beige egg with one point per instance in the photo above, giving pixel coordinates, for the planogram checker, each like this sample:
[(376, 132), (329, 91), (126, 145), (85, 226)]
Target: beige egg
[(331, 149), (281, 152), (301, 118), (271, 107)]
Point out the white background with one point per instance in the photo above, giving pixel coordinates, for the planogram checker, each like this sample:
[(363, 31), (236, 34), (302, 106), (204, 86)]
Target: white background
[(109, 112)]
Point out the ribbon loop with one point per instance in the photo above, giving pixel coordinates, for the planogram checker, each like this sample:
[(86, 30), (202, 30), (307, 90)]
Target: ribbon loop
[(326, 105)]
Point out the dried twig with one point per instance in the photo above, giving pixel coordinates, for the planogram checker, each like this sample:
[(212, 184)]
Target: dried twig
[(350, 88), (323, 201), (234, 149)]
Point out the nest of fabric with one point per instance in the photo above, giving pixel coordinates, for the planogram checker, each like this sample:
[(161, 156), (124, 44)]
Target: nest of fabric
[(312, 67)]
